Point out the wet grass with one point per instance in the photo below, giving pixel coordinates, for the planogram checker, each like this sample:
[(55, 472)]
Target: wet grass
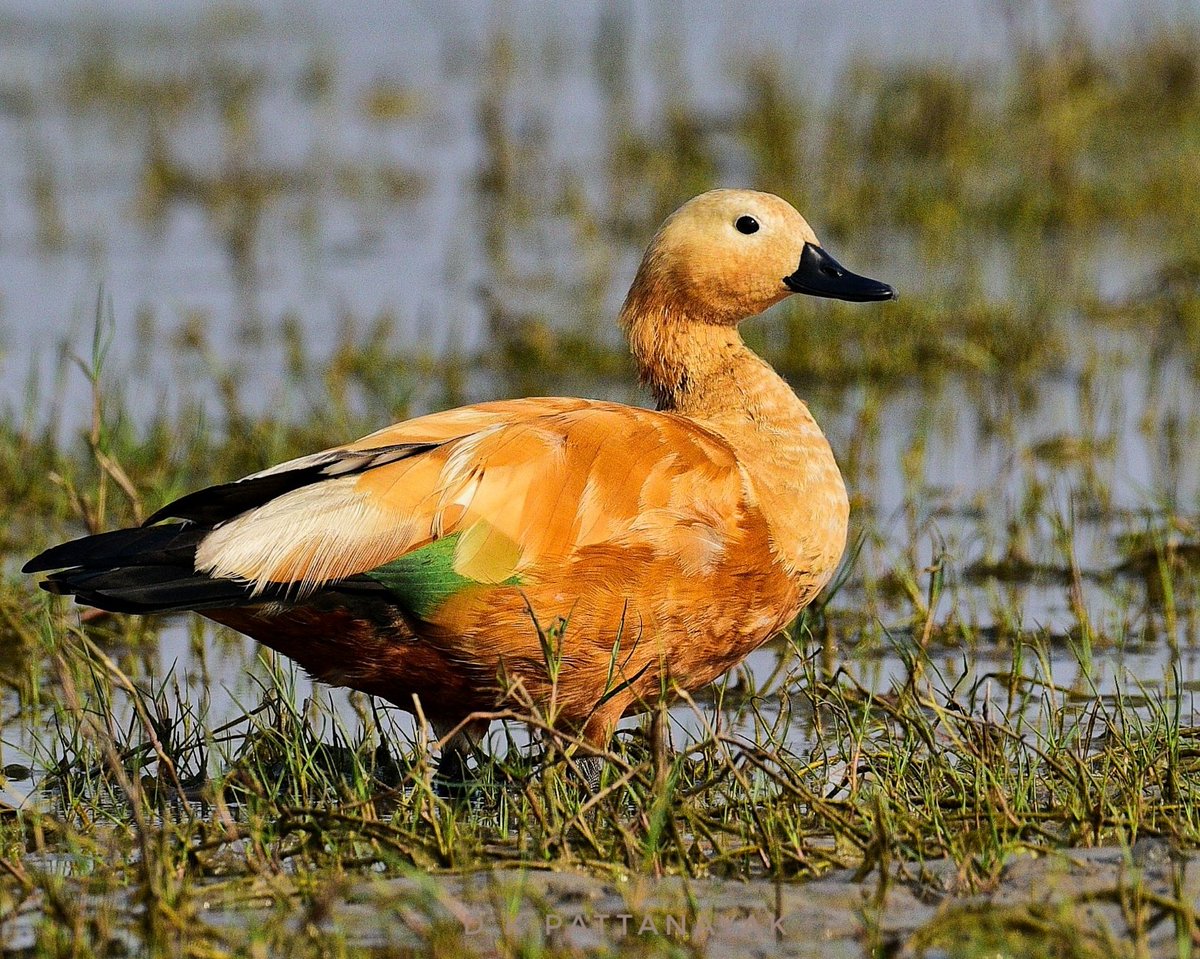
[(1001, 673), (149, 811)]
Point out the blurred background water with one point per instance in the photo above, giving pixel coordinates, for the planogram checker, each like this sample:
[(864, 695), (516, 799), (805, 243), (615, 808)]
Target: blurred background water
[(366, 133)]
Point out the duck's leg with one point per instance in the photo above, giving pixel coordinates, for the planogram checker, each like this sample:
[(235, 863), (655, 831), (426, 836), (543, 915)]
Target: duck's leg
[(597, 731), (452, 779)]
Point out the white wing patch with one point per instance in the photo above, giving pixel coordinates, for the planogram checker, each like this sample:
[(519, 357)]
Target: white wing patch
[(305, 538)]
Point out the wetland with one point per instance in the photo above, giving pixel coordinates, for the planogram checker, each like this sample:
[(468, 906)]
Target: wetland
[(236, 236)]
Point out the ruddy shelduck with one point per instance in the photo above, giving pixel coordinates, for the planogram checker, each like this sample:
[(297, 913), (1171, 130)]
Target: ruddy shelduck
[(438, 563)]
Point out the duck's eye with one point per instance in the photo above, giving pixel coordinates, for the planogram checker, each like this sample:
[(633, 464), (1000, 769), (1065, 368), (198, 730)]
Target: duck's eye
[(746, 224)]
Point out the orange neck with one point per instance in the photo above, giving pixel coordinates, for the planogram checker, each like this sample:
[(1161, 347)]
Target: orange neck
[(704, 371)]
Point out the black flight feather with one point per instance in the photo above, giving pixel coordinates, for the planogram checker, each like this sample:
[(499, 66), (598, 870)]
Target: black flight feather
[(174, 543), (214, 504)]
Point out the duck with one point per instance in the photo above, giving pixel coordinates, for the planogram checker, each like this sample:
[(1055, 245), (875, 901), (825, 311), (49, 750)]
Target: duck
[(583, 555)]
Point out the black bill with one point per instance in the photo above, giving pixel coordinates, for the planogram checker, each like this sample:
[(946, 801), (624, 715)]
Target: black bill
[(819, 274)]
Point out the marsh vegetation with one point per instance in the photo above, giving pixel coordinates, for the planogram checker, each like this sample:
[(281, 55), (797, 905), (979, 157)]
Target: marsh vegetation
[(1003, 672)]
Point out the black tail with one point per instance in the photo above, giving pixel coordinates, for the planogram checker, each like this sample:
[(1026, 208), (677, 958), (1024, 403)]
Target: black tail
[(142, 570)]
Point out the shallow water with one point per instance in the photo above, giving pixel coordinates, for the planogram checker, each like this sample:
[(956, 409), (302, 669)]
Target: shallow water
[(924, 907)]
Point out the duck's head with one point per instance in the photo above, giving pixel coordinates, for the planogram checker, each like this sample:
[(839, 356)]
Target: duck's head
[(729, 254)]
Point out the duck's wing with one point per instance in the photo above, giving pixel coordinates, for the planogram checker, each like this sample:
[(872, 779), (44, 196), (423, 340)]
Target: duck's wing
[(499, 493), (495, 494)]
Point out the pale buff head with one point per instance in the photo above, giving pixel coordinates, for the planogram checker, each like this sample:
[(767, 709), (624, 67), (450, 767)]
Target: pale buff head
[(730, 254)]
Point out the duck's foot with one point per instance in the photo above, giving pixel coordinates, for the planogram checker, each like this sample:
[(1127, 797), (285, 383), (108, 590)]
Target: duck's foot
[(590, 768), (454, 780)]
